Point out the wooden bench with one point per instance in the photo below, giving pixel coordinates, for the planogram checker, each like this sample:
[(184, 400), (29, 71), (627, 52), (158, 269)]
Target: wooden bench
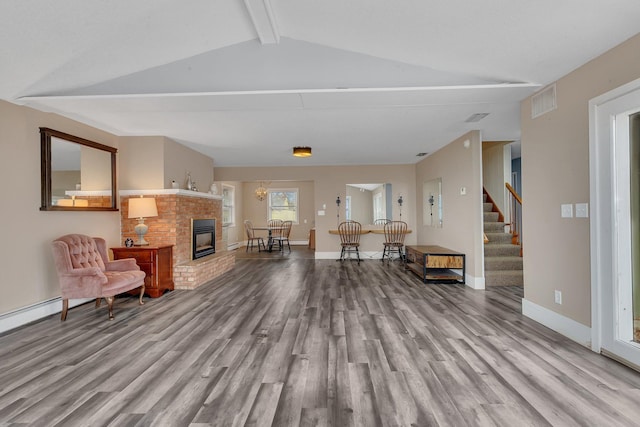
[(435, 263)]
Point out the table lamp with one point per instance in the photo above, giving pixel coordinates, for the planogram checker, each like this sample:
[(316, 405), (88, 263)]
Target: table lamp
[(142, 208)]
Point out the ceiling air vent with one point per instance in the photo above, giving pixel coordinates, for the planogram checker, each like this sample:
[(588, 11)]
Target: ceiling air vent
[(543, 101)]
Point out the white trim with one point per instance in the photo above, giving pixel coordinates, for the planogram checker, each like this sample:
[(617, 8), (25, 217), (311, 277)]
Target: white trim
[(557, 322), (602, 214), (291, 242), (169, 191), (24, 100), (364, 256), (28, 314), (474, 282), (232, 246)]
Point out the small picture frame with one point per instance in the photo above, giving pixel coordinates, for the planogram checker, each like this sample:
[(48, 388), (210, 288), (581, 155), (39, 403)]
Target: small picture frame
[(128, 242)]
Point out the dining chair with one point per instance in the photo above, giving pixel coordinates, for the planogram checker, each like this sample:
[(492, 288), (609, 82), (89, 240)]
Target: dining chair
[(349, 232), (394, 234), (284, 235), (251, 237)]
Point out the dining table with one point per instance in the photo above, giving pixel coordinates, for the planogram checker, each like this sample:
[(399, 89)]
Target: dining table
[(270, 231)]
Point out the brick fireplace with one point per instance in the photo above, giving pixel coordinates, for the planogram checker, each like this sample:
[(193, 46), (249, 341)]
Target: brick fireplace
[(172, 226)]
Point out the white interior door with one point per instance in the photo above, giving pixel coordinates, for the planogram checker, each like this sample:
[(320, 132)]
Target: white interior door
[(611, 244)]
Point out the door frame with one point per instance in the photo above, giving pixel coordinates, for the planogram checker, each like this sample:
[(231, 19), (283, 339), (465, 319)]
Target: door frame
[(606, 180)]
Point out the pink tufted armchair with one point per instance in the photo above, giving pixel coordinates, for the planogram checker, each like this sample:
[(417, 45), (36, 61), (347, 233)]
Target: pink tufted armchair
[(84, 271)]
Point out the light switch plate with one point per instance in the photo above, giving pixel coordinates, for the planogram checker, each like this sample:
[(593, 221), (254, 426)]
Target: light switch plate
[(566, 211), (582, 210), (320, 213), (463, 191)]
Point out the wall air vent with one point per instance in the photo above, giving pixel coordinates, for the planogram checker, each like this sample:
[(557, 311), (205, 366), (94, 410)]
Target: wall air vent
[(543, 101)]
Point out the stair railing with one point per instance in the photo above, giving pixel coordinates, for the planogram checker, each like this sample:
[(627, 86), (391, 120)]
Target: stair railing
[(515, 214)]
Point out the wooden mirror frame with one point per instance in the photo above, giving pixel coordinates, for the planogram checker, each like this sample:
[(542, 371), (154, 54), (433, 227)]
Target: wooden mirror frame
[(46, 202)]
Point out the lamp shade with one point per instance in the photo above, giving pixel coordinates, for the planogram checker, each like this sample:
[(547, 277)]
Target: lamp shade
[(302, 151), (142, 207)]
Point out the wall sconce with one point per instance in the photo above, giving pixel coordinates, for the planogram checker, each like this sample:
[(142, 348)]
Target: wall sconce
[(261, 192), (142, 208), (338, 206), (400, 201)]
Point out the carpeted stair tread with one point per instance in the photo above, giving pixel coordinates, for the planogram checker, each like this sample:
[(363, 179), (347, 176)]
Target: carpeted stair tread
[(497, 238), (502, 263), (490, 216), (503, 278), (494, 227), (501, 249), (502, 260)]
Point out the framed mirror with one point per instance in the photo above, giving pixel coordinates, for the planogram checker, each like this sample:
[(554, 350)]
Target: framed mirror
[(76, 174), (366, 203), (432, 197)]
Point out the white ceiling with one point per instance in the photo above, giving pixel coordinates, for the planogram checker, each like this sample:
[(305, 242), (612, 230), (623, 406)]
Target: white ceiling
[(360, 81)]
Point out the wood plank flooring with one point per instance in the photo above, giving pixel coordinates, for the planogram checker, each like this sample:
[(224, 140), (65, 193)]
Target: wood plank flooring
[(289, 341)]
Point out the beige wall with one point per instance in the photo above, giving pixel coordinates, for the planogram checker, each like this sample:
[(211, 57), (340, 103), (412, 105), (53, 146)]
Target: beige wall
[(152, 162), (28, 273), (555, 170), (141, 163), (179, 160), (462, 214), (330, 181), (256, 211)]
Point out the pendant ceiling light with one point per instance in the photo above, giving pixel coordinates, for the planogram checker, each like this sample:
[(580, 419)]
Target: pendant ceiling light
[(302, 151), (261, 192)]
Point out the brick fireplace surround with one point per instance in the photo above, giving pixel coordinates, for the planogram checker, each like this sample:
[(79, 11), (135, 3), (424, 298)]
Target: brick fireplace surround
[(172, 226)]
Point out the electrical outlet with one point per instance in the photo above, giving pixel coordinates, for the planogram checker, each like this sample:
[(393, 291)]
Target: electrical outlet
[(463, 191), (566, 211), (558, 297)]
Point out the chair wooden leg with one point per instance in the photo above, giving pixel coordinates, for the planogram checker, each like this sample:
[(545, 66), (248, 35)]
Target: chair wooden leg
[(142, 294), (65, 308), (98, 301), (110, 305)]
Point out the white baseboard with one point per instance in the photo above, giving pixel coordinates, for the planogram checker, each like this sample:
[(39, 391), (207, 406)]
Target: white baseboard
[(474, 282), (232, 246), (291, 242), (364, 256), (24, 315), (557, 322)]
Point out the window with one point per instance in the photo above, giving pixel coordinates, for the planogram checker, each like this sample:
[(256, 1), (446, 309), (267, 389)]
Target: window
[(228, 205), (347, 208), (378, 208), (283, 204)]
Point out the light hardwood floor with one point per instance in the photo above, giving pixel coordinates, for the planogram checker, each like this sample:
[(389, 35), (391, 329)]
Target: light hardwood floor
[(285, 340)]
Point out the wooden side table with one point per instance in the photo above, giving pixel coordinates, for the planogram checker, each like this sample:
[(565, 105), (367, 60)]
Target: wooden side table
[(435, 263), (156, 262)]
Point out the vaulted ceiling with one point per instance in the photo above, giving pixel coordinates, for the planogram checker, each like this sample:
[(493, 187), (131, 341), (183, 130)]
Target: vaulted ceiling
[(360, 81)]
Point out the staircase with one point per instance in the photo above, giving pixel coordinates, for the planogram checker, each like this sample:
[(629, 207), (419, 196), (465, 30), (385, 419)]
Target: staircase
[(502, 260)]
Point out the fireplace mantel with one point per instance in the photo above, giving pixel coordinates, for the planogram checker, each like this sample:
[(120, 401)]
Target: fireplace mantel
[(167, 192)]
